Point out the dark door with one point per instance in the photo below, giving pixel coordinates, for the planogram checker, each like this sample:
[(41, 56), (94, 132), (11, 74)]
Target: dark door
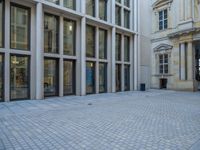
[(163, 83)]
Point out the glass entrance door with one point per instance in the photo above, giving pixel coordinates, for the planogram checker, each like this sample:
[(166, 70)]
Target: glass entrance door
[(90, 77)]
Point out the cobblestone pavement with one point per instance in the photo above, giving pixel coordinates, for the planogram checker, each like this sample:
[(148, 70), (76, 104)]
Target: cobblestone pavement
[(152, 120)]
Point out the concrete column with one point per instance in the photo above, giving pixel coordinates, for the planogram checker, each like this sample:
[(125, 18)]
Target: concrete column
[(183, 63), (39, 52), (97, 62), (83, 56), (190, 65), (122, 74), (136, 70), (113, 59)]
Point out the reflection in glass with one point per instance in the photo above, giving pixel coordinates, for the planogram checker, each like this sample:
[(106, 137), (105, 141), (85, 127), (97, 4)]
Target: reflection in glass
[(126, 19), (90, 77), (50, 77), (126, 49), (118, 77), (1, 77), (69, 37), (118, 15), (119, 1), (103, 9), (90, 41), (127, 3), (70, 4), (102, 44), (90, 7), (126, 77), (118, 47), (1, 23), (19, 77), (53, 1), (20, 27), (69, 77), (51, 33), (102, 77)]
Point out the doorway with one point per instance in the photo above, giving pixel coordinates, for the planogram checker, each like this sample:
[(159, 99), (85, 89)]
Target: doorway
[(163, 83)]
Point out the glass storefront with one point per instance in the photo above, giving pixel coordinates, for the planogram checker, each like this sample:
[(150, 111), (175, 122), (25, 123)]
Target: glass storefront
[(118, 77), (19, 77), (126, 77), (102, 77), (69, 77), (69, 37), (1, 23), (20, 27), (90, 41), (1, 77), (51, 33), (90, 77), (102, 44), (51, 77)]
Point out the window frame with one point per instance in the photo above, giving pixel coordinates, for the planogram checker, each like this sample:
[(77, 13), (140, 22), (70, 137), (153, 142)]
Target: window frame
[(163, 64), (162, 21), (29, 25)]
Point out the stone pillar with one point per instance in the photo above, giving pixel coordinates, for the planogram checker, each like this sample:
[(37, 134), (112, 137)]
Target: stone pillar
[(113, 59), (183, 63), (188, 9), (39, 52), (190, 65), (182, 10)]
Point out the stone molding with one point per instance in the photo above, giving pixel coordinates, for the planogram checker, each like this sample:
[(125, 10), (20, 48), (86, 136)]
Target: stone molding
[(162, 47)]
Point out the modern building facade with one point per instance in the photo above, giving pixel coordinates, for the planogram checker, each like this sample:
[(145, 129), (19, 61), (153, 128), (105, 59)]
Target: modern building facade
[(67, 47), (176, 44)]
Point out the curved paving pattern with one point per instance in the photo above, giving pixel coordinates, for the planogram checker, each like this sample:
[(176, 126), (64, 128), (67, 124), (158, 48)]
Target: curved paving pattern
[(153, 120)]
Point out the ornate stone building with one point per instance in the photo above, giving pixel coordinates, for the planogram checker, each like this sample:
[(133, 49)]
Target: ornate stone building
[(176, 44)]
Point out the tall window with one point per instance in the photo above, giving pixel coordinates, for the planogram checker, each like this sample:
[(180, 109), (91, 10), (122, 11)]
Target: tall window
[(118, 77), (117, 15), (51, 33), (90, 41), (90, 77), (103, 9), (69, 37), (69, 77), (102, 44), (102, 77), (127, 3), (163, 64), (19, 77), (70, 4), (1, 77), (20, 27), (126, 19), (51, 77), (90, 7), (163, 20), (126, 77), (53, 1), (1, 22), (126, 49), (118, 47)]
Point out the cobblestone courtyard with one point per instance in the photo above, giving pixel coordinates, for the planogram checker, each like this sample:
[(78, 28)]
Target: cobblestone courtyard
[(162, 120)]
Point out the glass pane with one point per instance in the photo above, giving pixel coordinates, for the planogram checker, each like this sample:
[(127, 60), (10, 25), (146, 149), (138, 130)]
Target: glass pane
[(1, 77), (90, 7), (117, 15), (118, 77), (53, 1), (51, 77), (19, 77), (127, 3), (161, 69), (90, 41), (119, 1), (51, 33), (126, 77), (69, 77), (165, 14), (161, 59), (165, 24), (126, 19), (102, 44), (90, 77), (166, 68), (118, 47), (126, 48), (103, 9), (69, 4), (69, 37), (1, 23), (160, 25), (20, 28), (160, 15), (166, 58), (102, 77)]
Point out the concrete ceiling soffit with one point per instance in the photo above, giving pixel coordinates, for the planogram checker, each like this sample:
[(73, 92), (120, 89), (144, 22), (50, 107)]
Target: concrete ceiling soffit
[(163, 47), (160, 3)]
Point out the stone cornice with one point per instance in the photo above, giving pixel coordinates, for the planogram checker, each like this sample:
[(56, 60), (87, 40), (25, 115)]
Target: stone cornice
[(183, 32), (160, 3)]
